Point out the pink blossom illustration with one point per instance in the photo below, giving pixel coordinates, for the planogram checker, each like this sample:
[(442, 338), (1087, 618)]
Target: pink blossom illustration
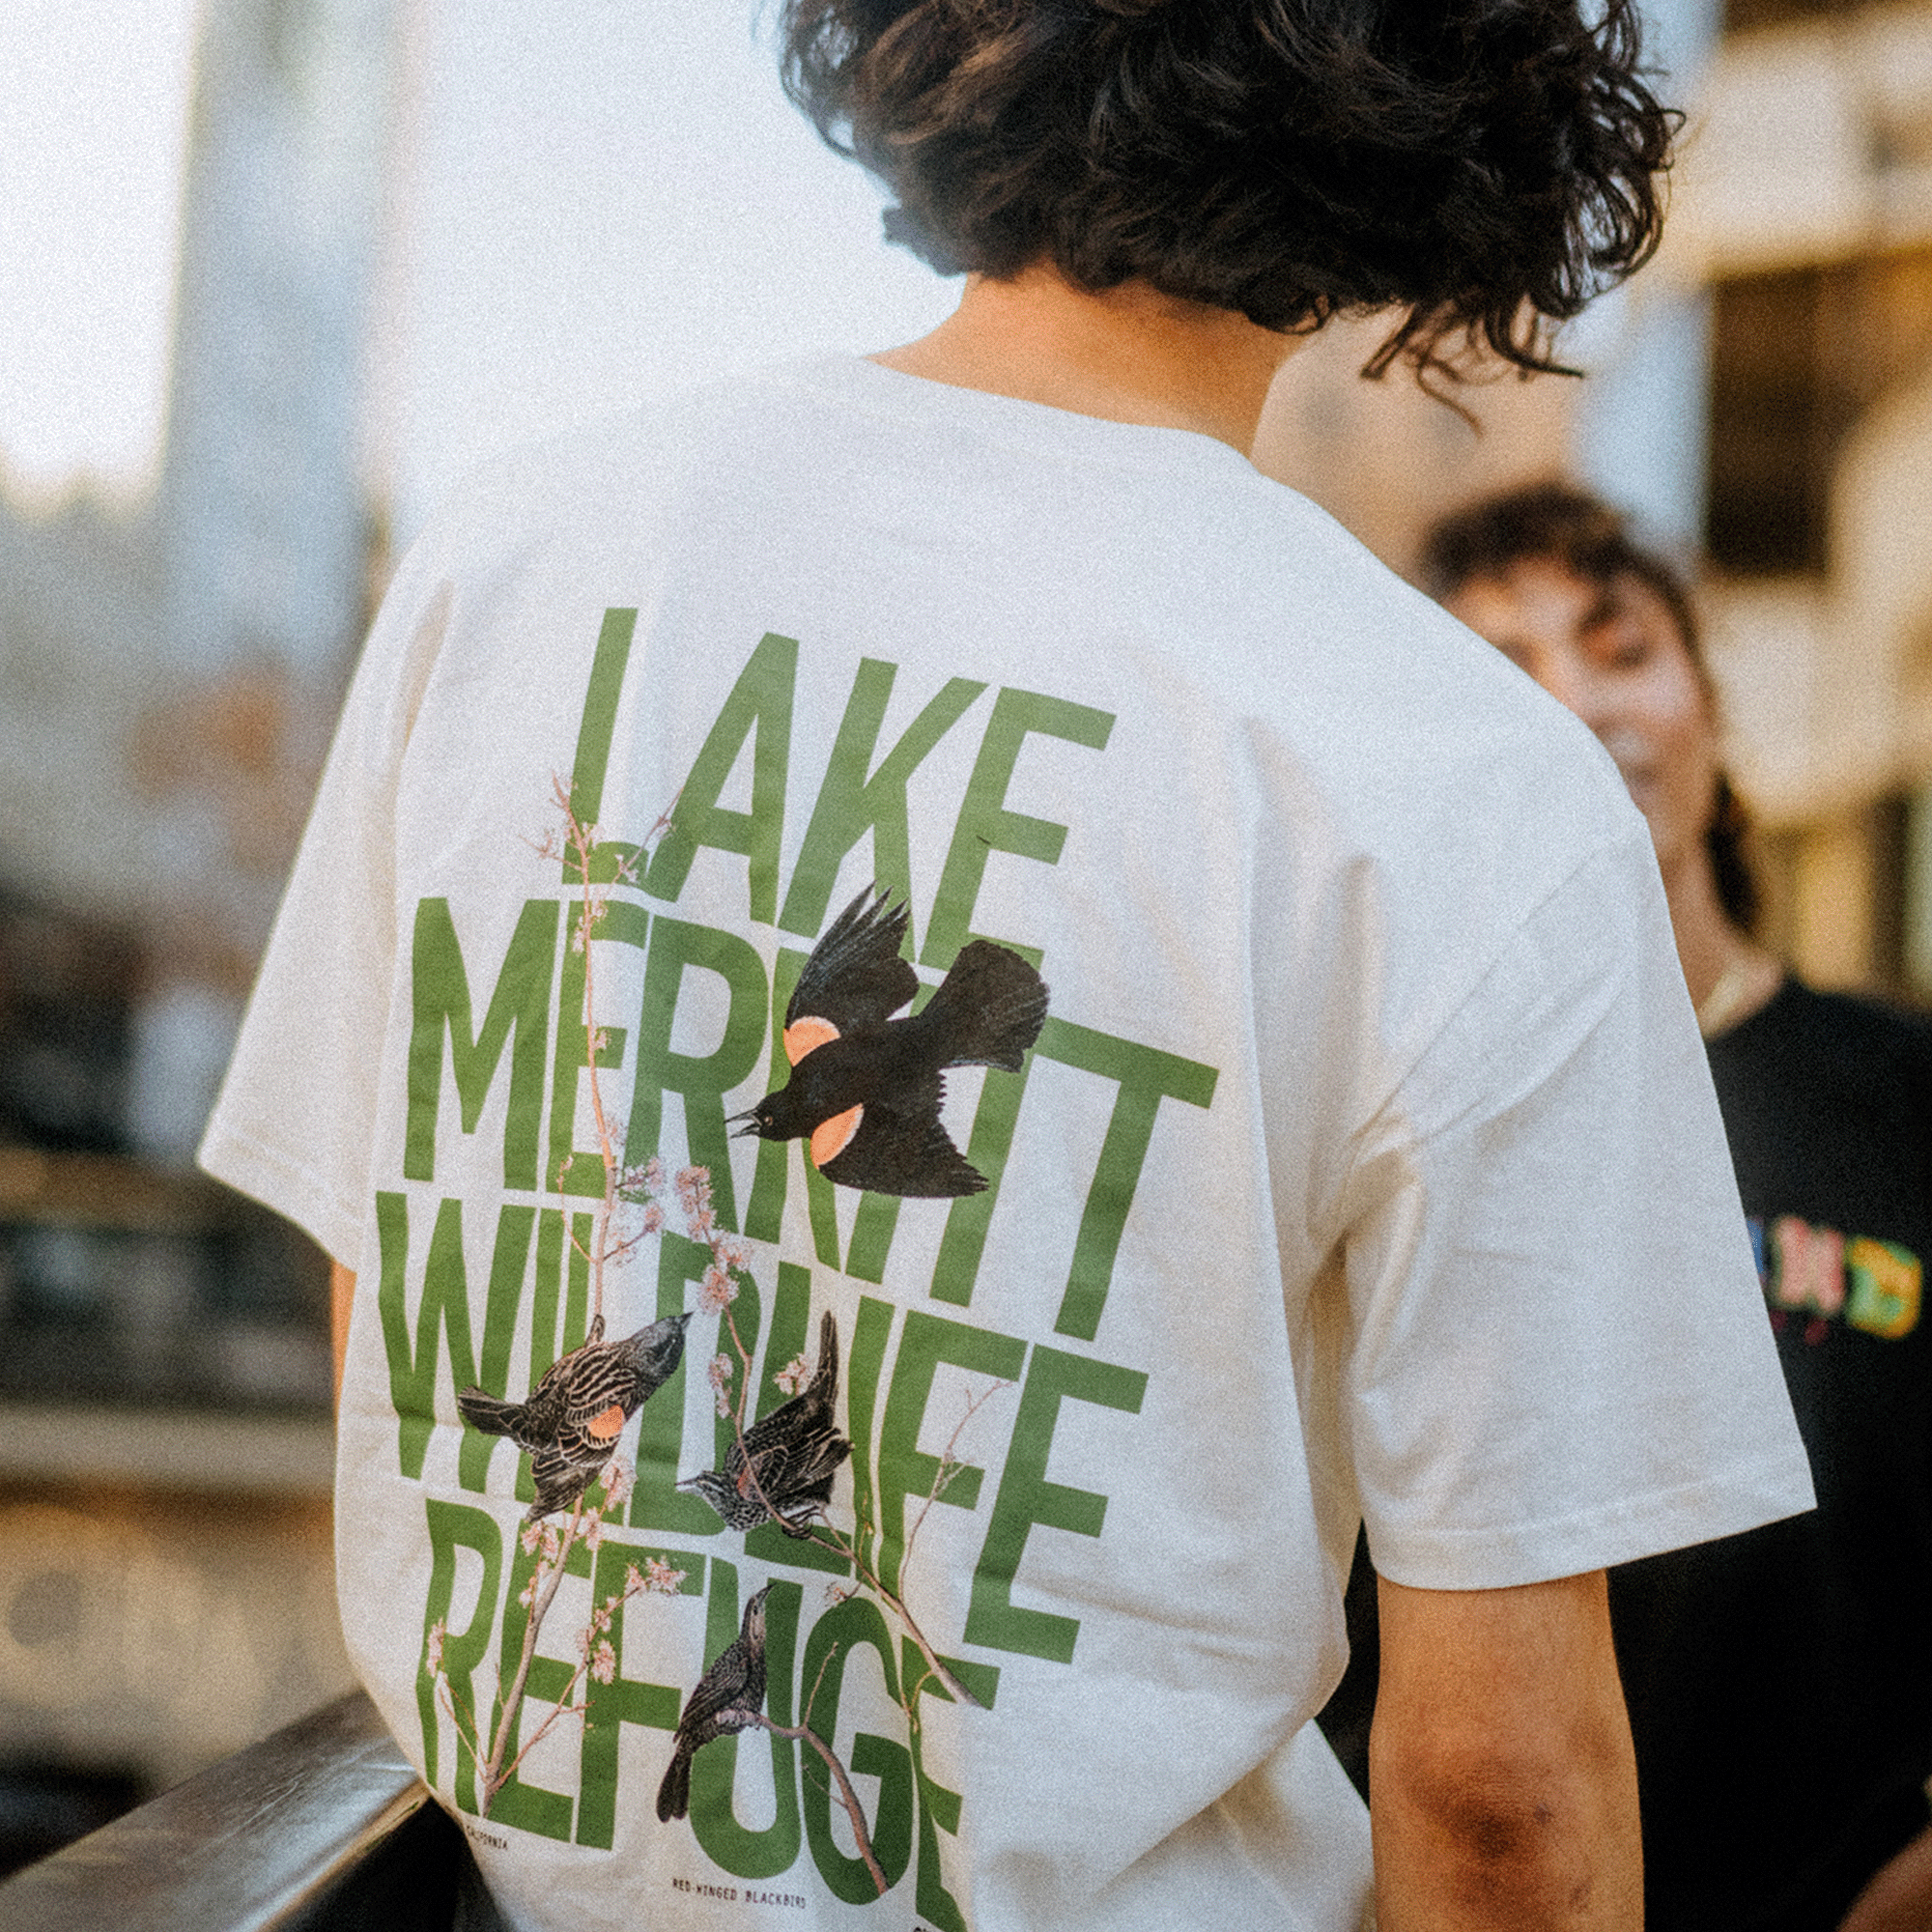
[(716, 1289)]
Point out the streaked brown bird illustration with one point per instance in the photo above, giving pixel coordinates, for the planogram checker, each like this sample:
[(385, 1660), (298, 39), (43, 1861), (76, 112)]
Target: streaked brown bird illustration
[(728, 1697), (783, 1466), (571, 1420)]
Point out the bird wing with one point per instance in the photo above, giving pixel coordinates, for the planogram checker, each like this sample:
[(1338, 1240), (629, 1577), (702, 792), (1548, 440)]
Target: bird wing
[(599, 1398), (900, 1148), (557, 1480), (726, 1685), (854, 976), (799, 1460), (548, 1400)]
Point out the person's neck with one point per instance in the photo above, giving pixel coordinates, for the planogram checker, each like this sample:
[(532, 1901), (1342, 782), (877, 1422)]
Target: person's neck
[(1127, 355), (1729, 975)]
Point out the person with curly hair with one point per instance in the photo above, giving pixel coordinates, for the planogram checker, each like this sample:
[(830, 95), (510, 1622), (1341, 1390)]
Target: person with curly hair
[(1344, 1143)]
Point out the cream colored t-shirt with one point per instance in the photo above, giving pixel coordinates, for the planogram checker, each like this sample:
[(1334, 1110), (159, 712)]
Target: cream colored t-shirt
[(1364, 1162)]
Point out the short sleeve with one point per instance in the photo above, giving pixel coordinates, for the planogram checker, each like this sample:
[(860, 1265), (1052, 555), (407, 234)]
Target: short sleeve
[(294, 1122), (1558, 1356)]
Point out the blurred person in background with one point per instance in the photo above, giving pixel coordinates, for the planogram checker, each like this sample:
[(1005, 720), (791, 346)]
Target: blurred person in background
[(1779, 1682)]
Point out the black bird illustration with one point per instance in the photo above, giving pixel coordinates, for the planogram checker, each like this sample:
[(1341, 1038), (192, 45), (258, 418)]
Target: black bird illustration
[(570, 1421), (783, 1466), (727, 1697), (865, 1088)]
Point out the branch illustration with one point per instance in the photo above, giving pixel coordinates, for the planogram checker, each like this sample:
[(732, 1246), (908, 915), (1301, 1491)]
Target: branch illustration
[(542, 1592), (576, 848), (659, 1199), (595, 1653), (848, 1797)]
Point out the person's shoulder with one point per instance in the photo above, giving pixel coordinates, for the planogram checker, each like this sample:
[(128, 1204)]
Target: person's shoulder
[(619, 465), (1879, 1032), (1398, 647), (1468, 748), (1859, 1051)]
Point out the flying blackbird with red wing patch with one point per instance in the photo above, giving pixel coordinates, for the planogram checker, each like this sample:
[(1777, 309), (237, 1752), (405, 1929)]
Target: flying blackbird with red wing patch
[(865, 1088)]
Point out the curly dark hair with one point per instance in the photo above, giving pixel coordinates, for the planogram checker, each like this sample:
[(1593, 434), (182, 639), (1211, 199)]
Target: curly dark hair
[(1486, 165), (1553, 522)]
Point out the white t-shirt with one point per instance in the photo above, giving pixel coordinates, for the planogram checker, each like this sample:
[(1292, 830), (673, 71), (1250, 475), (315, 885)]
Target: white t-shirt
[(1365, 1162)]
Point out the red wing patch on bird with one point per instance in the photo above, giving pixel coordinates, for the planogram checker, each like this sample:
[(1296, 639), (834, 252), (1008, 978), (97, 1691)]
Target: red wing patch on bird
[(605, 1425), (831, 1138), (806, 1035)]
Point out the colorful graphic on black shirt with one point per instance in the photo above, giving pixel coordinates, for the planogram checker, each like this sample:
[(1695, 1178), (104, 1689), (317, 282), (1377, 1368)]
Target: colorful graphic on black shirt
[(1818, 1276)]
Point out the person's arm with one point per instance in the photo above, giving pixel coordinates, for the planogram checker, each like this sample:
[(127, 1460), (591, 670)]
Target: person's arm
[(1503, 1783), (341, 1294), (1898, 1897)]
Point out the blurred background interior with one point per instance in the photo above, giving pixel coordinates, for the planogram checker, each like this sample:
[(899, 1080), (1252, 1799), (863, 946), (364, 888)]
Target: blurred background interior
[(272, 272)]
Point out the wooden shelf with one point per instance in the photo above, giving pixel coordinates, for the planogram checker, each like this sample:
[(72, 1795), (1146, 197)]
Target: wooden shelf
[(167, 1449)]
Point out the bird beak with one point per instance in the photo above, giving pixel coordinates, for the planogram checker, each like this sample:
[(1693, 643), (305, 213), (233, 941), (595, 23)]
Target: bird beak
[(751, 1126)]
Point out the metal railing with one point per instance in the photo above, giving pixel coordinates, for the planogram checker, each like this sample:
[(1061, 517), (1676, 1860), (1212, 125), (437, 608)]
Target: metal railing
[(324, 1825)]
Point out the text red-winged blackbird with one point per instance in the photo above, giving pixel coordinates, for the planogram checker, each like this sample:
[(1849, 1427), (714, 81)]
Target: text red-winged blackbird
[(570, 1421), (865, 1088), (785, 1465), (726, 1698)]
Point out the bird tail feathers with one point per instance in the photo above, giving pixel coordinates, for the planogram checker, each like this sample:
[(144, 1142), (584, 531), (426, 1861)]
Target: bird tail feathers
[(487, 1413), (825, 1375), (674, 1793), (992, 1005)]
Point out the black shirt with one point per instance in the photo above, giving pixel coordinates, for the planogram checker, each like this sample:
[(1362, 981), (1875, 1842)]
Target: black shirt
[(1781, 1681)]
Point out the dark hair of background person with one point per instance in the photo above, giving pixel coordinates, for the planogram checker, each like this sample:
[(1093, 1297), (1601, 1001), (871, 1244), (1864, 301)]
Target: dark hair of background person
[(1551, 522), (1486, 165)]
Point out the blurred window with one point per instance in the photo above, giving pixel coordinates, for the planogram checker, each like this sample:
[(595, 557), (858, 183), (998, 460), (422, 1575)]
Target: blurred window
[(1797, 357), (123, 1280), (1740, 14), (1770, 425)]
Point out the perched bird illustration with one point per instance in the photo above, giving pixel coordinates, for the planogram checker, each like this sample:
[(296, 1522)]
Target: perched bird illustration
[(865, 1088), (783, 1466), (570, 1421), (727, 1697)]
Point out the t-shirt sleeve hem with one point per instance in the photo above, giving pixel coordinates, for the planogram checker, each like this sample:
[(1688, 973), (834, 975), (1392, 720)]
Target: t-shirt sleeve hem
[(1497, 1557), (266, 1175)]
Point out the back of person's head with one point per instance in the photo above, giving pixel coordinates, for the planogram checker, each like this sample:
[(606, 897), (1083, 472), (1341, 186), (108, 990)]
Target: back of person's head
[(1484, 165), (1558, 524)]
